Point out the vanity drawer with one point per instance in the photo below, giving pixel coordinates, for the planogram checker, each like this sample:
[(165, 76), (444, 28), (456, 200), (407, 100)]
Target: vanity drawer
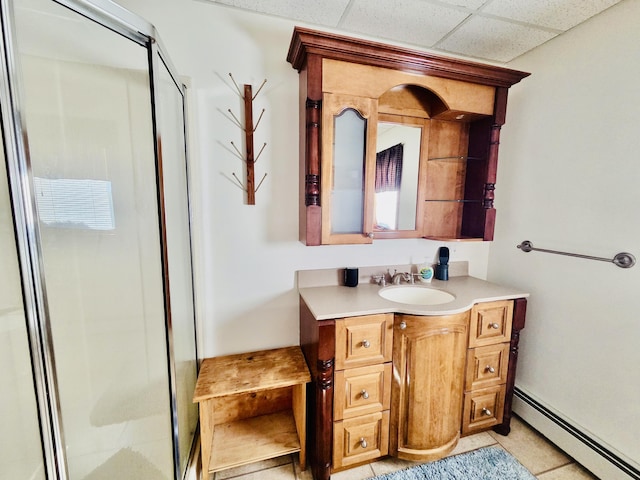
[(490, 323), (487, 366), (483, 408), (362, 390), (364, 340), (360, 439)]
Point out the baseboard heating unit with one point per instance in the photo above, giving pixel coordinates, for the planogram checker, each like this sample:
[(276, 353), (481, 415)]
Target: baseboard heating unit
[(590, 452)]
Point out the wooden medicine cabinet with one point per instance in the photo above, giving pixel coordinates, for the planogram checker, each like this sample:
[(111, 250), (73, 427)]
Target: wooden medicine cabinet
[(395, 143)]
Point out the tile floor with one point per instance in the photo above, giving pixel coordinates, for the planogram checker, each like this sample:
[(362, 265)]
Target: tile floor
[(532, 450)]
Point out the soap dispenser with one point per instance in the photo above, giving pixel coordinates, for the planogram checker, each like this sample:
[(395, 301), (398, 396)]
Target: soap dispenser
[(442, 268), (425, 272)]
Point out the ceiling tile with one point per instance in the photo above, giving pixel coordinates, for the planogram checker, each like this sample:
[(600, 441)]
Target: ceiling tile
[(558, 14), (410, 21), (496, 30), (326, 12), (494, 39), (471, 4)]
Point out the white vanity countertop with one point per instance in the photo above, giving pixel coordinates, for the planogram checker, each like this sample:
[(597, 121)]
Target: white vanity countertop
[(334, 301)]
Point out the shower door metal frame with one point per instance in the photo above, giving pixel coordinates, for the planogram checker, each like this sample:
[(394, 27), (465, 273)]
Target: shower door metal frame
[(156, 54), (15, 139)]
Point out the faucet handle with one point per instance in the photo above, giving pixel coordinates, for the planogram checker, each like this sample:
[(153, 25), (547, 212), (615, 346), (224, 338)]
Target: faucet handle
[(379, 279)]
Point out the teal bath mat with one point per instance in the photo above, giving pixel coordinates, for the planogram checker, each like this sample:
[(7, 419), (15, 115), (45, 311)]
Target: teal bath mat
[(489, 463)]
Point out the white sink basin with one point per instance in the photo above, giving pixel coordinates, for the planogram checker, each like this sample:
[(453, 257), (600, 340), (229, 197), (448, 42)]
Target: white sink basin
[(415, 295)]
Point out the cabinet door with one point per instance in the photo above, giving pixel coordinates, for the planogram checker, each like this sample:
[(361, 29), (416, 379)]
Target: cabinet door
[(428, 379), (349, 126)]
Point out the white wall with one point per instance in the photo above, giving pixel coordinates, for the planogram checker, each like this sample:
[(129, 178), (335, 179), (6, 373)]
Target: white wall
[(246, 256), (568, 180)]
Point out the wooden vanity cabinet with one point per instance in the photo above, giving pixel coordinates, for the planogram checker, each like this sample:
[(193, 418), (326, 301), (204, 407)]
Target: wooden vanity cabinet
[(461, 106), (404, 385)]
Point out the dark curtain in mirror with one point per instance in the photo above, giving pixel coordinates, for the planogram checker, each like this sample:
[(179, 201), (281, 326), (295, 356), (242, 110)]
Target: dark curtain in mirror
[(389, 169)]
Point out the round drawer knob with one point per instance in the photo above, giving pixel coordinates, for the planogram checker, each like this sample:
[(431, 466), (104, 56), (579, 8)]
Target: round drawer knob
[(370, 235), (494, 325), (486, 411), (490, 369), (366, 343), (403, 325), (363, 443), (364, 394)]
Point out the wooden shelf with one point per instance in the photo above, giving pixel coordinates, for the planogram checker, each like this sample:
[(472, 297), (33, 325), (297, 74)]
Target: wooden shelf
[(453, 239), (453, 200), (252, 440), (454, 158), (252, 407)]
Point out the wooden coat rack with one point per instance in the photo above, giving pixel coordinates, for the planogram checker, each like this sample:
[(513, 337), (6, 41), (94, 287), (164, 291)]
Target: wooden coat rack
[(248, 127)]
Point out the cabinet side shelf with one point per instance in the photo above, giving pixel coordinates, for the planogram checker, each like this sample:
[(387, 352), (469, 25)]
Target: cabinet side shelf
[(454, 158), (253, 439), (455, 200), (453, 239)]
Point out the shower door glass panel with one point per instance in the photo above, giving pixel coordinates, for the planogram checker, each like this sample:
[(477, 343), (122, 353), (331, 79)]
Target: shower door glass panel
[(87, 111), (170, 118), (20, 444)]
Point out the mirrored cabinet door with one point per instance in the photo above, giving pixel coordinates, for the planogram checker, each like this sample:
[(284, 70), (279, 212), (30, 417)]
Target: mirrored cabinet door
[(399, 172), (348, 140)]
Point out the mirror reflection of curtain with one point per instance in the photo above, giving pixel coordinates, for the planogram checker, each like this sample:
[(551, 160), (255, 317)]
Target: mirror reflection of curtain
[(389, 169), (387, 186)]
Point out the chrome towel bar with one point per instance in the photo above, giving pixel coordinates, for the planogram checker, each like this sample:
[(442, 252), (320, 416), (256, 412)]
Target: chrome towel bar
[(622, 259)]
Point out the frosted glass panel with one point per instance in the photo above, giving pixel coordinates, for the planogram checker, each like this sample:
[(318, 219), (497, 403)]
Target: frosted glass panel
[(347, 192), (170, 121), (88, 118), (20, 445)]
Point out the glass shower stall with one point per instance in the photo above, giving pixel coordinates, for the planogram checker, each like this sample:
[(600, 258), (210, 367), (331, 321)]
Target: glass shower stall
[(98, 356)]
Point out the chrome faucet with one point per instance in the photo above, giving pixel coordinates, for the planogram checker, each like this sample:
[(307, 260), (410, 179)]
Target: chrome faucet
[(395, 279)]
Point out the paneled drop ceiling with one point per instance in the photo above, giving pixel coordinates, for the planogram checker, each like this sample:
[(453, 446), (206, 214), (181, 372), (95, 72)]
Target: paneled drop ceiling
[(494, 30)]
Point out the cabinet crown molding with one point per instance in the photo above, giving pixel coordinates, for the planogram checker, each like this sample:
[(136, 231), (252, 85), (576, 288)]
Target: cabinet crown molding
[(329, 45)]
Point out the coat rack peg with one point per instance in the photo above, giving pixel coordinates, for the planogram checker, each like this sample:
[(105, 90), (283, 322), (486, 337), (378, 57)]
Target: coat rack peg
[(255, 127), (235, 83), (263, 177), (238, 122), (239, 152), (259, 88), (240, 184), (249, 128), (258, 155)]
